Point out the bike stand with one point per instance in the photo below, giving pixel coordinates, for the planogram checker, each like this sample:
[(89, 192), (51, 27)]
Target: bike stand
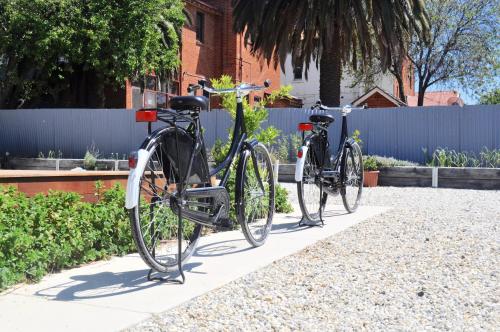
[(166, 279), (179, 254), (306, 222)]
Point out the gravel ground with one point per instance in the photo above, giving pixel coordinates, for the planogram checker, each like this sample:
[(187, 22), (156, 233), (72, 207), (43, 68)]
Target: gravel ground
[(431, 263)]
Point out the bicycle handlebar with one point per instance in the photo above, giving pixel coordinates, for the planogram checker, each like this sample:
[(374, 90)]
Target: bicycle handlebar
[(343, 109)]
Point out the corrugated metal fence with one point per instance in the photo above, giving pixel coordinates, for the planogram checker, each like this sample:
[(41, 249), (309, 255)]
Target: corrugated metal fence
[(398, 132)]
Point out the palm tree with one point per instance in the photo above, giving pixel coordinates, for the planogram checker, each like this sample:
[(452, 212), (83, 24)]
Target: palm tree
[(332, 33)]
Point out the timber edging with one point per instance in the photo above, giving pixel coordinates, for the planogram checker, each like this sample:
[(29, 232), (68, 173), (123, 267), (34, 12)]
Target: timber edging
[(421, 176)]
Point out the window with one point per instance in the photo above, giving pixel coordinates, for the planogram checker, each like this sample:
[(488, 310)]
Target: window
[(297, 72), (200, 27)]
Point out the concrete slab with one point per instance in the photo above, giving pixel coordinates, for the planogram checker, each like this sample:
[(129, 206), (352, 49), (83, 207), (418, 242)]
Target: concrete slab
[(111, 295)]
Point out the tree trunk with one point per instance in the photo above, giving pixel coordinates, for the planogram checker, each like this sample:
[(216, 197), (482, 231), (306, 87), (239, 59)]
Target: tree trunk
[(330, 74), (421, 93), (401, 89)]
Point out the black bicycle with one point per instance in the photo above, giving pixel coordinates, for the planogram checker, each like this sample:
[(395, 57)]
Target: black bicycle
[(318, 174), (172, 193)]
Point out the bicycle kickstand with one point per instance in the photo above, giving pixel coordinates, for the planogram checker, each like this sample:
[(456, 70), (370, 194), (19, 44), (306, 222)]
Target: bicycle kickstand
[(179, 253)]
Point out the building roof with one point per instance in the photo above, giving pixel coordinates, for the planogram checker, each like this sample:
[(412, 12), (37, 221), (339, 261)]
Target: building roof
[(374, 91), (438, 98)]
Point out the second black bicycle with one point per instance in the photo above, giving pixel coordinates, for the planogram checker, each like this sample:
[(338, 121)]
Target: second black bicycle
[(318, 174)]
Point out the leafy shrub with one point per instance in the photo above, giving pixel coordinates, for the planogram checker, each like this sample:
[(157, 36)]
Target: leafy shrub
[(281, 200), (370, 163), (46, 233), (391, 162), (90, 158), (285, 149), (451, 158), (254, 118)]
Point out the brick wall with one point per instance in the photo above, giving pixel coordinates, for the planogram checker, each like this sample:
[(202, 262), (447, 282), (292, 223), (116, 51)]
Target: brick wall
[(221, 52)]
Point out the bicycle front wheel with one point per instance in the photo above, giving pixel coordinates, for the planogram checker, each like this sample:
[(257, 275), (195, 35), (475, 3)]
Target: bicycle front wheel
[(352, 177), (154, 220), (256, 208)]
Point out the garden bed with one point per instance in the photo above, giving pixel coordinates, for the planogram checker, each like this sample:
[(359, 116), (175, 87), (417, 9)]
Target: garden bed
[(32, 182), (421, 176), (63, 164)]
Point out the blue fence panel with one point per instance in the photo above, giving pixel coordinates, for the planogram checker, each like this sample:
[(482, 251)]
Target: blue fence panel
[(398, 132)]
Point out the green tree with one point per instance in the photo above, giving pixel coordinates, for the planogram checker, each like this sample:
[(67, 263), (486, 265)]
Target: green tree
[(463, 49), (490, 98), (332, 33), (53, 51)]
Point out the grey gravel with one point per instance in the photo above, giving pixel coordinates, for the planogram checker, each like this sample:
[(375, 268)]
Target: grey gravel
[(431, 263)]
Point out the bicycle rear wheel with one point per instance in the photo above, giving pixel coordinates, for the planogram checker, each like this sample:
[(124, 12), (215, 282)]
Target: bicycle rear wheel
[(352, 177), (154, 220), (256, 208), (309, 194)]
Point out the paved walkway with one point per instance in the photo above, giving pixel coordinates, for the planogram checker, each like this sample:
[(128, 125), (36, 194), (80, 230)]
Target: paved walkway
[(115, 294)]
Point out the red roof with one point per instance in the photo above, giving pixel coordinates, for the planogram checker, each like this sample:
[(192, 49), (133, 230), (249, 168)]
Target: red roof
[(437, 98)]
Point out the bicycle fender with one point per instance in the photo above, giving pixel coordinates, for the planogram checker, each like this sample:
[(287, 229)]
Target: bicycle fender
[(299, 166), (134, 178), (238, 190)]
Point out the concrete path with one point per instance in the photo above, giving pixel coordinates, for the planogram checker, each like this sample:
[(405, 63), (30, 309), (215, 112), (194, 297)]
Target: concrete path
[(115, 294)]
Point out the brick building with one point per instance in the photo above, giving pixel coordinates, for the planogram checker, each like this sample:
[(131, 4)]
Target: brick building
[(209, 49)]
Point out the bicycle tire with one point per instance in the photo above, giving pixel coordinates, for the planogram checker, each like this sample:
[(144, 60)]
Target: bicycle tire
[(252, 209), (352, 164), (311, 185), (192, 231)]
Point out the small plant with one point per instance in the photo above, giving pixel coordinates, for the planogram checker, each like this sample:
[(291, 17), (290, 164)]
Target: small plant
[(370, 164), (451, 158), (286, 148), (51, 155), (90, 158), (281, 200), (254, 120), (356, 137), (391, 162)]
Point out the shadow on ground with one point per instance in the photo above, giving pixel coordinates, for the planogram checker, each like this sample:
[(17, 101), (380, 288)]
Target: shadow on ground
[(106, 284)]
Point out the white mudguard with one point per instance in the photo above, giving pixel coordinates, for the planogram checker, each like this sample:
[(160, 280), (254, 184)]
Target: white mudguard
[(134, 178), (299, 167)]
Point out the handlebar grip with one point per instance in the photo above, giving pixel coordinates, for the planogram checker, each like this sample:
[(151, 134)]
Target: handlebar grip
[(267, 83)]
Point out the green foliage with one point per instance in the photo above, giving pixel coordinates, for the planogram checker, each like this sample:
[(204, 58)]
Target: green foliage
[(463, 51), (51, 154), (45, 44), (451, 158), (356, 137), (490, 98), (281, 200), (46, 233), (90, 158), (254, 118), (369, 163), (285, 149), (389, 161)]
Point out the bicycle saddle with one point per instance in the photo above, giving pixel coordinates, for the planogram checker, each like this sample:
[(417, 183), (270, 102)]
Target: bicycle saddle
[(182, 103), (324, 118)]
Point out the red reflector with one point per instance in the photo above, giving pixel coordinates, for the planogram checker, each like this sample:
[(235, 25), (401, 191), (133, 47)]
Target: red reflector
[(300, 153), (305, 126), (132, 160), (146, 116)]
